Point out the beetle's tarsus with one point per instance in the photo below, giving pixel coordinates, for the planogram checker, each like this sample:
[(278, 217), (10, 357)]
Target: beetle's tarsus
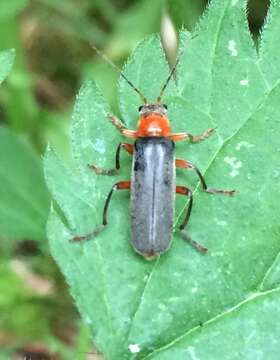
[(203, 136), (222, 192), (193, 243), (117, 123), (100, 171), (89, 236)]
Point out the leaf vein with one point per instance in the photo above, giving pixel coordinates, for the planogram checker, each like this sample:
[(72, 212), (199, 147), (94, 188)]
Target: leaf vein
[(251, 297)]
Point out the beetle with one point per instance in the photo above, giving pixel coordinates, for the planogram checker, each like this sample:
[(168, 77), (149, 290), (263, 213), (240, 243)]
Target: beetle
[(153, 176)]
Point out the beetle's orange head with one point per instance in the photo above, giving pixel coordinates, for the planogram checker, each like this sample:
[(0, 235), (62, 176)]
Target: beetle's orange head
[(153, 121)]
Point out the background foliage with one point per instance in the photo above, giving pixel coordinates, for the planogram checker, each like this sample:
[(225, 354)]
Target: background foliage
[(52, 59)]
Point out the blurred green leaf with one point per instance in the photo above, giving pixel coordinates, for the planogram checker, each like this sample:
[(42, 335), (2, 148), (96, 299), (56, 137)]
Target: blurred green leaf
[(24, 199), (185, 13), (11, 287), (142, 18), (17, 97), (11, 8), (137, 309), (72, 19), (6, 62), (18, 308)]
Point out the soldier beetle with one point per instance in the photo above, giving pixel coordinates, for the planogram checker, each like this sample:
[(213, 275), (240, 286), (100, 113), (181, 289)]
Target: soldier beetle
[(153, 176)]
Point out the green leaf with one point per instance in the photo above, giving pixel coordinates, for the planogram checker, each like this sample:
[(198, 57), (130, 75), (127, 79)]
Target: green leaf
[(24, 203), (239, 333), (137, 309), (6, 62)]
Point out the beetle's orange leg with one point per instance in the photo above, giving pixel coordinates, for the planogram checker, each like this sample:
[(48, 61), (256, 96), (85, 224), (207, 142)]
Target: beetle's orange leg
[(120, 126), (130, 133), (122, 185), (190, 137), (99, 171), (184, 164), (185, 191)]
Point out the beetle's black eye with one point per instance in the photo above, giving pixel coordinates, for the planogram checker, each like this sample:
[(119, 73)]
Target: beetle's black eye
[(165, 106), (140, 108)]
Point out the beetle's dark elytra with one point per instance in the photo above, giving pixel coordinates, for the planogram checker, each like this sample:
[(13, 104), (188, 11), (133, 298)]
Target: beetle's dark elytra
[(152, 195)]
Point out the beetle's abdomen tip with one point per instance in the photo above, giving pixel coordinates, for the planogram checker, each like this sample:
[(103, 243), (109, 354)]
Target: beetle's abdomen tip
[(151, 255)]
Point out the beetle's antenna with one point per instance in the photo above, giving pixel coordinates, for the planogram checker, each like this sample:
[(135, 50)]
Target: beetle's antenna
[(143, 98), (169, 78), (172, 71)]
